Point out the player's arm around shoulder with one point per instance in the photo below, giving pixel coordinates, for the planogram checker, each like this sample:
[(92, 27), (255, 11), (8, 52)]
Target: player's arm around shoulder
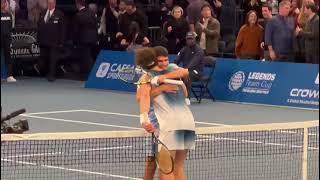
[(176, 73), (143, 90)]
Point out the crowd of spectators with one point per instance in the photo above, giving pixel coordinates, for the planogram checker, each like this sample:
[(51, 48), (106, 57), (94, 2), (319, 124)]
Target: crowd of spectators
[(277, 30)]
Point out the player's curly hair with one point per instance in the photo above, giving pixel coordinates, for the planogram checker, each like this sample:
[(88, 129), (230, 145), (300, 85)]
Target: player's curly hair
[(146, 58)]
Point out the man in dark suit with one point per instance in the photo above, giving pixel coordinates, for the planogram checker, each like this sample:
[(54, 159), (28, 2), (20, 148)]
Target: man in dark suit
[(109, 23), (85, 31), (6, 29), (310, 33), (51, 33)]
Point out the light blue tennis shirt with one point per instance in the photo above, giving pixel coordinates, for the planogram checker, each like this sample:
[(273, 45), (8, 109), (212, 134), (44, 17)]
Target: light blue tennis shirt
[(171, 109)]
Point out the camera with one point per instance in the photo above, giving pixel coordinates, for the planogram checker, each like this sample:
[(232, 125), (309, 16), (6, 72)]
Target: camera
[(16, 128)]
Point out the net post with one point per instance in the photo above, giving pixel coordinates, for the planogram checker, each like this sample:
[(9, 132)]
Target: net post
[(305, 154)]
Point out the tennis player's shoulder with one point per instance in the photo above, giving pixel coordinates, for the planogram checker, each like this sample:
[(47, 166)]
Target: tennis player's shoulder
[(172, 67), (143, 78)]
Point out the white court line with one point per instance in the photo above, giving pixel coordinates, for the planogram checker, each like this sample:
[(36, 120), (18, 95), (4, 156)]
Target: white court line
[(58, 153), (252, 142), (99, 149), (112, 113), (133, 115), (53, 112), (80, 122), (73, 170)]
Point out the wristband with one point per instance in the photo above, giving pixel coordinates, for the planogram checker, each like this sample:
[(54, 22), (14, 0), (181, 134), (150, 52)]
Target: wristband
[(154, 81), (144, 118)]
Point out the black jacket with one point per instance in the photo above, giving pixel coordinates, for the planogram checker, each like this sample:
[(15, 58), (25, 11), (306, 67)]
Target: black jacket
[(179, 31), (191, 58), (52, 33), (111, 21), (85, 28), (137, 16)]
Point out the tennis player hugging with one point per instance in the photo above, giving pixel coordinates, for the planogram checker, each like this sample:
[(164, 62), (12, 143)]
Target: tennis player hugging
[(165, 113)]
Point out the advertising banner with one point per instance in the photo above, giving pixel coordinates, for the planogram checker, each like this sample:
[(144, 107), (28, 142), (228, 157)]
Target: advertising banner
[(272, 83)]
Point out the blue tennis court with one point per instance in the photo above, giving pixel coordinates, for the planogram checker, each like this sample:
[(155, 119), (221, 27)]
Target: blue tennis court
[(66, 106)]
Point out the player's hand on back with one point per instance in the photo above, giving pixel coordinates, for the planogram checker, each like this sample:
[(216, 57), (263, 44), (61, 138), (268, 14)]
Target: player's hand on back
[(169, 88)]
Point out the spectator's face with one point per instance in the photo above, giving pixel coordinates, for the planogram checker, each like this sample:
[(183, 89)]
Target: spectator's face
[(190, 42), (265, 12), (177, 13), (307, 11), (252, 19), (51, 4), (284, 10), (294, 4), (113, 3), (129, 9), (163, 62), (93, 8), (122, 6), (206, 12)]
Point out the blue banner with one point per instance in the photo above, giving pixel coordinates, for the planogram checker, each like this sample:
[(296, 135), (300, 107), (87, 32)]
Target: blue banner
[(272, 83), (104, 73)]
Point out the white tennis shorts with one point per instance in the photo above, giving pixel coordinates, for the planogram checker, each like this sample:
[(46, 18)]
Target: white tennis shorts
[(178, 139)]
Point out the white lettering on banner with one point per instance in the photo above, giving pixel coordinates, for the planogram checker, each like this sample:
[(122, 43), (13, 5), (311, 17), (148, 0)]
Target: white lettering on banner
[(305, 93), (317, 80), (262, 76), (102, 70), (300, 101), (259, 83), (116, 67), (110, 71), (7, 18)]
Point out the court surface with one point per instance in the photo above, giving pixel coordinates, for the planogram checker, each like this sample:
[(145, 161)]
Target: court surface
[(66, 106)]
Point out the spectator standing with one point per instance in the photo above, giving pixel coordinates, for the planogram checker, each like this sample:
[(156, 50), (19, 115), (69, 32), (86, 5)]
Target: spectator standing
[(303, 17), (51, 34), (175, 30), (228, 25), (279, 34), (227, 17), (249, 39), (310, 33), (35, 7), (208, 31), (131, 14), (194, 12), (266, 10), (267, 15), (294, 11), (109, 23), (6, 29), (166, 11), (85, 33)]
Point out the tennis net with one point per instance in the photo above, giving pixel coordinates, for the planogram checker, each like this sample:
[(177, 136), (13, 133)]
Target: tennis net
[(281, 151)]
